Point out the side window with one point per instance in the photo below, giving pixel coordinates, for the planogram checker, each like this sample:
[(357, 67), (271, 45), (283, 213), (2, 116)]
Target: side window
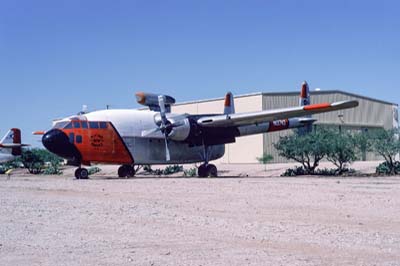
[(94, 124), (78, 139), (71, 137), (69, 125), (77, 124), (103, 125), (84, 124)]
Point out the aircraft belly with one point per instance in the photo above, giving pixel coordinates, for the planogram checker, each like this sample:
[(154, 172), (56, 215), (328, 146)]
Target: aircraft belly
[(152, 151)]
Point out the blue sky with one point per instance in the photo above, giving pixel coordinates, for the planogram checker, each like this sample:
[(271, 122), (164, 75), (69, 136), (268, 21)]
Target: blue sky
[(56, 56)]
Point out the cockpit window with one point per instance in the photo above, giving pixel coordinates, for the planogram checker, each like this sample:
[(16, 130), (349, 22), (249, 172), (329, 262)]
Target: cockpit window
[(94, 124), (77, 124), (103, 125), (84, 124), (69, 125), (60, 124)]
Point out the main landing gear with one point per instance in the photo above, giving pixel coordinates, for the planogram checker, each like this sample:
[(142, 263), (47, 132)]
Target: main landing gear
[(126, 170), (206, 169), (81, 173)]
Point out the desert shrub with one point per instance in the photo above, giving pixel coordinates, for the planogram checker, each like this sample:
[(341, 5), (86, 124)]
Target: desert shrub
[(341, 149), (387, 144), (94, 169), (297, 170), (308, 150), (190, 172), (385, 169), (264, 159), (169, 170), (172, 169)]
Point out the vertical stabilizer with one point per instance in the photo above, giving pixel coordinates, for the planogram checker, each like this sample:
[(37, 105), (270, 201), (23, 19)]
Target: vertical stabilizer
[(229, 105), (13, 136), (304, 94), (304, 101)]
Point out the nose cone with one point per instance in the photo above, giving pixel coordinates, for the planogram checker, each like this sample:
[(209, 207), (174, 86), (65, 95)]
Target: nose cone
[(58, 143)]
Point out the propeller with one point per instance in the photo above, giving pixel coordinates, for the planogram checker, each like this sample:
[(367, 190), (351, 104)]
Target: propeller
[(164, 123), (165, 126)]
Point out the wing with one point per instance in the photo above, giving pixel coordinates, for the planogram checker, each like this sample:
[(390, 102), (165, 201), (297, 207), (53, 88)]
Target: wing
[(13, 145), (242, 119)]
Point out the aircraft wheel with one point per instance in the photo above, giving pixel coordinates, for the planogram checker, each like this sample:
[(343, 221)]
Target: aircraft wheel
[(131, 172), (81, 173), (212, 170), (78, 173), (202, 171), (126, 171)]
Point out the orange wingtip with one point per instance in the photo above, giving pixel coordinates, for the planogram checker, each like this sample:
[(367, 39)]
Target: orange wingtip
[(38, 132), (317, 106)]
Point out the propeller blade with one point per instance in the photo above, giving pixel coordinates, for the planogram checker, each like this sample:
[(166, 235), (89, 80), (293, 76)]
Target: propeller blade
[(167, 155), (161, 103), (148, 132)]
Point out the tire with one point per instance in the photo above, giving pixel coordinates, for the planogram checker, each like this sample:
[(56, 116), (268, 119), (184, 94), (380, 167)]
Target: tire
[(131, 172), (122, 171), (78, 173), (212, 170), (202, 171), (126, 171), (84, 173), (81, 173)]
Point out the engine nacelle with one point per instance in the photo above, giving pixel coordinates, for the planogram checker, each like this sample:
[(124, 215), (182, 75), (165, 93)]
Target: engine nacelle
[(151, 100), (181, 132)]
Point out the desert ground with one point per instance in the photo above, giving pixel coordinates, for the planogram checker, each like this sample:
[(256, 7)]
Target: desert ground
[(245, 217)]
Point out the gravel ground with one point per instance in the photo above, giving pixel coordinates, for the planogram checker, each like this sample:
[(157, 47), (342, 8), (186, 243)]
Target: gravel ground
[(192, 221)]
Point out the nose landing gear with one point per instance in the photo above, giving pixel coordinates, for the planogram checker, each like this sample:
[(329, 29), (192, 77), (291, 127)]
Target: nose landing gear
[(81, 173)]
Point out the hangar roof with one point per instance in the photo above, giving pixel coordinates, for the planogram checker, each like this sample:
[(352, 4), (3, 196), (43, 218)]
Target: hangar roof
[(290, 93)]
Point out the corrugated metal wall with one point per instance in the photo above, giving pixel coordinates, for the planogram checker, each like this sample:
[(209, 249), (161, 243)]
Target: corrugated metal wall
[(369, 114)]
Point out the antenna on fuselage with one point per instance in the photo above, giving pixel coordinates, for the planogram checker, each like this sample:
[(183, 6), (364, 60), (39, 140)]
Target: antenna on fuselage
[(84, 110)]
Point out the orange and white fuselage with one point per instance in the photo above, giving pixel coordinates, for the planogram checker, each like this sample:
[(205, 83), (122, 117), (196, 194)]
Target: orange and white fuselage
[(155, 136), (115, 137)]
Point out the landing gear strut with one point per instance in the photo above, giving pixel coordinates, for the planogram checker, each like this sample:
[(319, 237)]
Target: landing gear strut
[(81, 173), (126, 170), (206, 169)]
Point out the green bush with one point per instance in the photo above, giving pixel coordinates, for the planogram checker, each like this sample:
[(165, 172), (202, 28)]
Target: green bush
[(341, 149), (387, 144), (169, 170), (308, 149), (51, 170), (385, 169), (297, 170), (94, 169), (190, 172), (264, 159)]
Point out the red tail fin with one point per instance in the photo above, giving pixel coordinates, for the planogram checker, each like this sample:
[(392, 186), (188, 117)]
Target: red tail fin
[(17, 151)]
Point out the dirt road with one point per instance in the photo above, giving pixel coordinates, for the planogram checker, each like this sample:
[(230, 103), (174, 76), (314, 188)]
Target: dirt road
[(191, 221)]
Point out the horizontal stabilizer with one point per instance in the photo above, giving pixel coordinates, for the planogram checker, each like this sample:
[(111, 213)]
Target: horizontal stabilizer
[(13, 145)]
